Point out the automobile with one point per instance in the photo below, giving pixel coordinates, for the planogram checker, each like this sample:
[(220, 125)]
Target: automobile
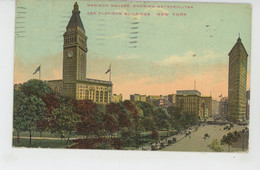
[(155, 147), (162, 145), (206, 135), (170, 142)]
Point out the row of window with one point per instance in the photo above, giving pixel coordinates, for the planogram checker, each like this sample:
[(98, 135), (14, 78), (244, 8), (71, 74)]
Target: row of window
[(94, 95), (70, 40), (82, 87)]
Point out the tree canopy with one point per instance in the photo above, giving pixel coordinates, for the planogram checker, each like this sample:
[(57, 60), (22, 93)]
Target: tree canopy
[(28, 112), (36, 88)]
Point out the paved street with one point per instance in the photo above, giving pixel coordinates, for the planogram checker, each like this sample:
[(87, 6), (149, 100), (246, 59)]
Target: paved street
[(196, 142)]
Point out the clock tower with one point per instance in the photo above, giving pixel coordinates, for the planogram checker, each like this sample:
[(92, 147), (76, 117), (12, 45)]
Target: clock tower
[(74, 53), (75, 84)]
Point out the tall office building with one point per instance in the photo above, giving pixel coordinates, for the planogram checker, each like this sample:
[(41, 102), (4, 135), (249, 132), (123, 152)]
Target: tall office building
[(215, 108), (74, 83), (237, 79), (208, 104), (190, 101), (223, 108)]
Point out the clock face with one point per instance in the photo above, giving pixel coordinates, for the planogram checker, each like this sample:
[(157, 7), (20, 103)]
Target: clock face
[(70, 54)]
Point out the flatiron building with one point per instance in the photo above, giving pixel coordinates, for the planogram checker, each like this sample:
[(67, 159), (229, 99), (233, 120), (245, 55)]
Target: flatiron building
[(237, 79)]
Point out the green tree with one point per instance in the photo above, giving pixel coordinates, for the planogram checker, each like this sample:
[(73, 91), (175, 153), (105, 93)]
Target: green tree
[(18, 101), (177, 120), (147, 108), (161, 118), (230, 138), (148, 123), (64, 121), (123, 121), (190, 119), (135, 116), (215, 146), (36, 88), (28, 112), (181, 120)]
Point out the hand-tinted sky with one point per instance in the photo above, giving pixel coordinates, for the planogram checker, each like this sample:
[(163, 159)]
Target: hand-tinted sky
[(150, 55)]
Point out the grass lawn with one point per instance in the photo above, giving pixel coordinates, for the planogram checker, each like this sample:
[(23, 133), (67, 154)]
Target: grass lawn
[(44, 134), (57, 143), (41, 143)]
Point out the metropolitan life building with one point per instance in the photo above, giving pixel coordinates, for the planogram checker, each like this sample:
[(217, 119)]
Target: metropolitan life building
[(74, 83)]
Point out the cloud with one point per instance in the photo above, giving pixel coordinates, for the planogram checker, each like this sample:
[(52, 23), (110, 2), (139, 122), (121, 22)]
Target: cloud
[(192, 57), (127, 57), (116, 36)]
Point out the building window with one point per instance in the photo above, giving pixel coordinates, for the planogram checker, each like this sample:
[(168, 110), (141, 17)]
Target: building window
[(105, 98), (97, 96), (101, 96), (87, 94)]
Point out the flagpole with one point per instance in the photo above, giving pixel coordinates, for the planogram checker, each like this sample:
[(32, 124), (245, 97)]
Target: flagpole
[(40, 73), (110, 72)]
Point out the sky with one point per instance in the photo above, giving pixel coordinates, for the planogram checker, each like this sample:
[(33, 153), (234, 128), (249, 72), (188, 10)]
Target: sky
[(155, 56)]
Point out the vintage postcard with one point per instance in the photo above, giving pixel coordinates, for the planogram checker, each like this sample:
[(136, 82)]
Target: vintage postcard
[(125, 75)]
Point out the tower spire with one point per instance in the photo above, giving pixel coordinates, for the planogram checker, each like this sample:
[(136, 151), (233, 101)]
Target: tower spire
[(76, 6), (239, 39), (75, 19)]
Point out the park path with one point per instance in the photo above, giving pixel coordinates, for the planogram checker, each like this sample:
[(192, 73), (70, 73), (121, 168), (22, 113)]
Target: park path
[(44, 138), (196, 141)]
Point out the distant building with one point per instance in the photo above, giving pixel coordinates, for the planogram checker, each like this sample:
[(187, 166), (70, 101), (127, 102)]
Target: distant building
[(169, 100), (135, 97), (223, 108), (215, 108), (189, 101), (204, 112), (188, 92), (151, 98), (143, 98), (157, 100), (247, 104), (172, 98), (162, 101), (138, 97), (237, 79), (208, 104), (117, 98)]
